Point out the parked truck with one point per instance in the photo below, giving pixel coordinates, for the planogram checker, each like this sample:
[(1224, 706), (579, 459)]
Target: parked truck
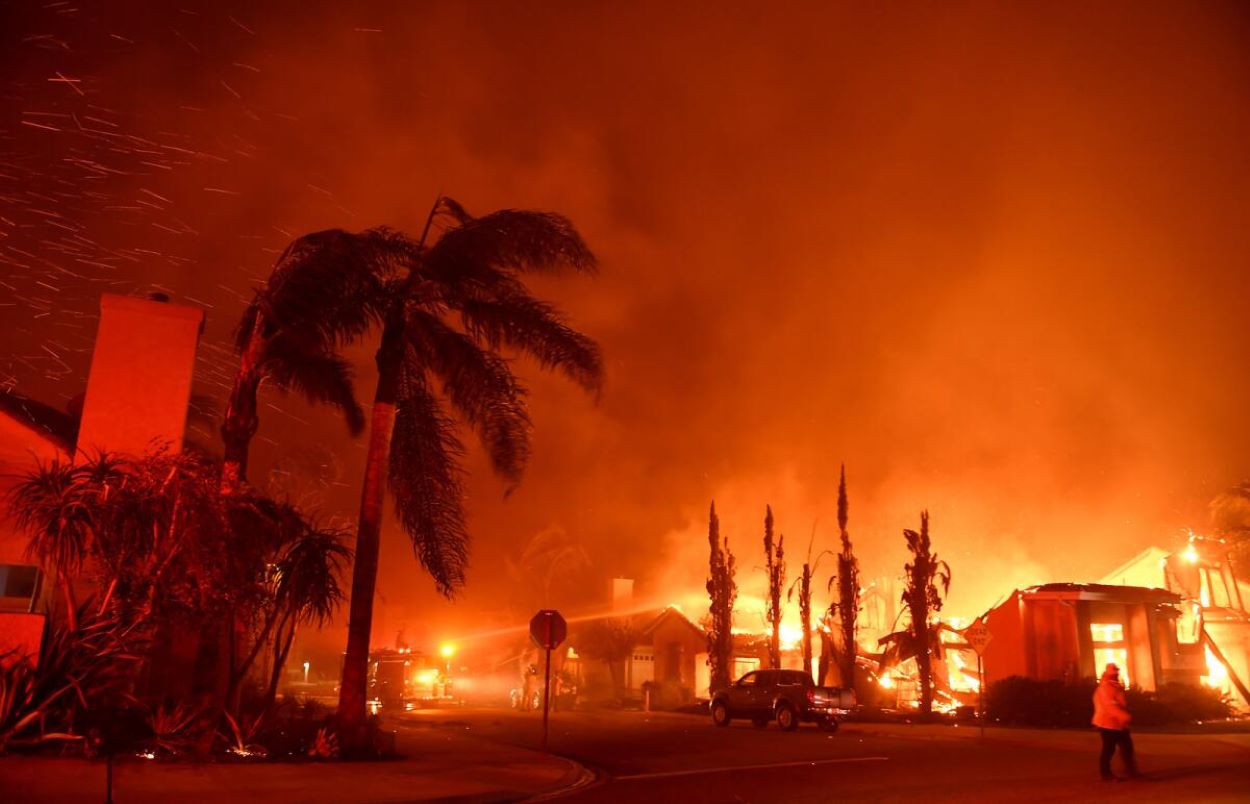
[(789, 697)]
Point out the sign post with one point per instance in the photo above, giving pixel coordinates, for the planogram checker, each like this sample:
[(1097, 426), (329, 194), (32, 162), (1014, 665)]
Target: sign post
[(548, 629), (978, 636)]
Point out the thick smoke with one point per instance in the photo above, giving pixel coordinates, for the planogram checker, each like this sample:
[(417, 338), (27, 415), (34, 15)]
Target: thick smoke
[(989, 257)]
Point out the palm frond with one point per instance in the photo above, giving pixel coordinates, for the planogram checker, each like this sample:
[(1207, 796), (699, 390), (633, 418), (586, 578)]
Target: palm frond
[(318, 374), (453, 209), (330, 283), (425, 479), (52, 504), (309, 572), (508, 241), (511, 317), (481, 386)]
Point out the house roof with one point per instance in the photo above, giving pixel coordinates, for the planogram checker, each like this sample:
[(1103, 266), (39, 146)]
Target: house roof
[(1150, 557), (56, 426), (1099, 591), (670, 612)]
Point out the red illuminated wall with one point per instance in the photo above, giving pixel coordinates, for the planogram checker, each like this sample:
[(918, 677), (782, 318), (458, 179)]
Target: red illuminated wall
[(20, 636), (1005, 655)]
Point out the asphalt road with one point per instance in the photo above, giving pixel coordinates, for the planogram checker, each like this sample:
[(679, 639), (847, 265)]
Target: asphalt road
[(660, 757)]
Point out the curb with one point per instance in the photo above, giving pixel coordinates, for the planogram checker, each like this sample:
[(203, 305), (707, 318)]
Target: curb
[(583, 777)]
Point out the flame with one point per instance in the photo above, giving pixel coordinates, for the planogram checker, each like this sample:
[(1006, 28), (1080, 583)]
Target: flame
[(791, 636), (1217, 673)]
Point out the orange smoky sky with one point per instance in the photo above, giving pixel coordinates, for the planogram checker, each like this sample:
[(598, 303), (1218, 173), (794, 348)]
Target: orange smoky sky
[(991, 256)]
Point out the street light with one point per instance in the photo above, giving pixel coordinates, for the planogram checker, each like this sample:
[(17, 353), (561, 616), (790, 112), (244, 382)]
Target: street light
[(446, 650), (305, 672)]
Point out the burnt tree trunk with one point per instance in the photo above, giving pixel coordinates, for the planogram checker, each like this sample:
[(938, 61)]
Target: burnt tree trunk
[(239, 424)]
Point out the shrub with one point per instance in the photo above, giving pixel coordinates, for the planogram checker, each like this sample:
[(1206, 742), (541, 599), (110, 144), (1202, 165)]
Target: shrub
[(1177, 703), (1019, 701), (79, 672)]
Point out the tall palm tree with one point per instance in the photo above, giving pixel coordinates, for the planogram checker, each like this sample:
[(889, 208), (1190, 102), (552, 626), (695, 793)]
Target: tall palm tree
[(928, 580), (471, 276), (326, 290)]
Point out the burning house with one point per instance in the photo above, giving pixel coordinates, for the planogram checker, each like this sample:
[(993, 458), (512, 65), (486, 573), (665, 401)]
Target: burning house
[(1068, 631), (1213, 622)]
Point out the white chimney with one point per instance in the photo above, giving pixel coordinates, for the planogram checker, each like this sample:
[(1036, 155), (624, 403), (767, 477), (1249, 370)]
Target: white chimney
[(622, 595)]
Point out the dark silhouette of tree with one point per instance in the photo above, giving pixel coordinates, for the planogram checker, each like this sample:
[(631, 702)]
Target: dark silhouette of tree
[(922, 597), (848, 590), (326, 290), (473, 273), (723, 591), (775, 567), (803, 585), (1230, 518), (610, 640), (549, 564)]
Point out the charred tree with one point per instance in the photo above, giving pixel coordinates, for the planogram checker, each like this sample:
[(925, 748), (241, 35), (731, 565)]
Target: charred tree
[(923, 575), (803, 585), (723, 591), (611, 640), (848, 590), (775, 566)]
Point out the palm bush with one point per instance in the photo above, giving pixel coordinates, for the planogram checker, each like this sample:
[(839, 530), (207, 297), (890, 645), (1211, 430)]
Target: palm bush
[(78, 670), (171, 552)]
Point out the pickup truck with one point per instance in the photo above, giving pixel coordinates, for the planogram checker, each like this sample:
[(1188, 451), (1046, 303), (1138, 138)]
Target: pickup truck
[(788, 696)]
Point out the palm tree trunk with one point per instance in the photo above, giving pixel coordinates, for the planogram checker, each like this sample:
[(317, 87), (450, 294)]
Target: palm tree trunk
[(924, 670), (282, 649), (240, 422), (241, 669), (353, 691), (807, 643), (71, 605)]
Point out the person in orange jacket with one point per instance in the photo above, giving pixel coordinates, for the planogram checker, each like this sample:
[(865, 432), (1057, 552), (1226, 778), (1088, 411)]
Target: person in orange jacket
[(1111, 717)]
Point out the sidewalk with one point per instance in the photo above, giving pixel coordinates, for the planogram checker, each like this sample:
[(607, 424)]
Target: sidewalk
[(437, 764)]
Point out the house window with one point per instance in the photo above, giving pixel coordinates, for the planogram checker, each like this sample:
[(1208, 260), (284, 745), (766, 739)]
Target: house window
[(1110, 648), (18, 585), (744, 664), (1107, 632)]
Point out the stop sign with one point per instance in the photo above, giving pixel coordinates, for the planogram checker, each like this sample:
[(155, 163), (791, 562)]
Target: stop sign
[(548, 629)]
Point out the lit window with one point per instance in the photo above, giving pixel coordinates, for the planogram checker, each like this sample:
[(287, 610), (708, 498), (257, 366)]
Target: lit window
[(1109, 648), (1107, 632)]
